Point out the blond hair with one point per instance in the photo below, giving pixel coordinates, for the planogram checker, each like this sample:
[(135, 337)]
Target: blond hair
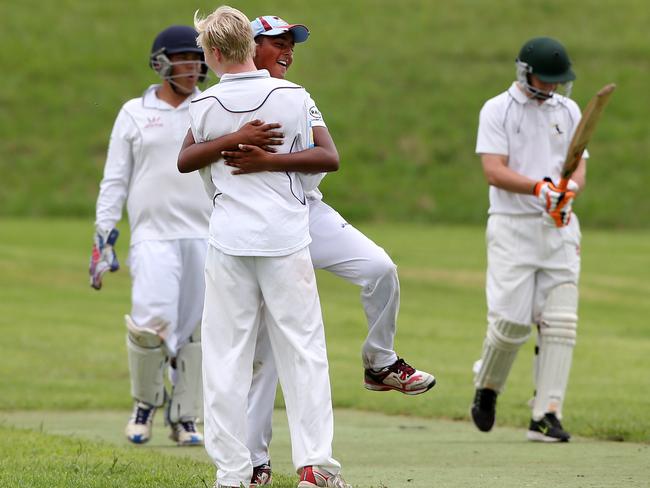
[(228, 30)]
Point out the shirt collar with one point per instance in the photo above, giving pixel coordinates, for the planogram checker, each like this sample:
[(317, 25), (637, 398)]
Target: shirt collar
[(260, 73), (151, 100)]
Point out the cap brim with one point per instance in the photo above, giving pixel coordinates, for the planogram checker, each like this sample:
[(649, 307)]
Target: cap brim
[(569, 75), (299, 31), (185, 50)]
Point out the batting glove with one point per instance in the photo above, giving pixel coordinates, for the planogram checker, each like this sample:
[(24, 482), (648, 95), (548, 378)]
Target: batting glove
[(557, 202), (548, 194), (561, 216), (103, 257)]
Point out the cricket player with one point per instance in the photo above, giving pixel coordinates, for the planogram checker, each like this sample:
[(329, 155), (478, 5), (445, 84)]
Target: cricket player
[(533, 237), (336, 245), (168, 218), (258, 264)]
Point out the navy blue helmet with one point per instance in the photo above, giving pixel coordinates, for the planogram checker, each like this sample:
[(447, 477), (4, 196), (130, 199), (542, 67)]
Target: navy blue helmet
[(172, 40)]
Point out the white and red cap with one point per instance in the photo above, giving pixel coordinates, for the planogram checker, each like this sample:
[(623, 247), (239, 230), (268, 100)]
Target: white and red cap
[(270, 25)]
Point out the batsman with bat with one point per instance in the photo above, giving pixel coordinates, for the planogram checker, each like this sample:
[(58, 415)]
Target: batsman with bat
[(533, 237)]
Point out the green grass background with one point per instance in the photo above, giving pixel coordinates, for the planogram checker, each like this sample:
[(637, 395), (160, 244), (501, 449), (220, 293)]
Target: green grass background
[(400, 84)]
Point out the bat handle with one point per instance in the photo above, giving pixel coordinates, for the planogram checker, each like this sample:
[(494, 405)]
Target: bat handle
[(564, 182)]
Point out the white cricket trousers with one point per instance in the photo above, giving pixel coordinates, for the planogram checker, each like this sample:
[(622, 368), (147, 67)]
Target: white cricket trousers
[(239, 290), (339, 248), (168, 286), (527, 258)]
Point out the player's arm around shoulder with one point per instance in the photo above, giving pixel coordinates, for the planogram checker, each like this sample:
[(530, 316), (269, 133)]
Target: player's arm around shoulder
[(255, 133), (318, 154)]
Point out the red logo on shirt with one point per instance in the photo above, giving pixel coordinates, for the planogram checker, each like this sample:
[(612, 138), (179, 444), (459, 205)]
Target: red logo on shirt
[(153, 122)]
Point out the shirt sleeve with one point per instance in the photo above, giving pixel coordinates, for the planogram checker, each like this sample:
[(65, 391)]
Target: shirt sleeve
[(492, 138), (313, 118), (114, 186)]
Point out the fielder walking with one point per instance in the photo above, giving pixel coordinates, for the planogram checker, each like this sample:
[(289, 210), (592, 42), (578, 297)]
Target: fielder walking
[(336, 245), (258, 264), (168, 218), (533, 238)]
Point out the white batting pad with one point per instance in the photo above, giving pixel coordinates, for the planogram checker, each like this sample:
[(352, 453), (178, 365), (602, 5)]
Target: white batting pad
[(152, 336), (500, 347), (187, 394), (146, 363), (556, 342)]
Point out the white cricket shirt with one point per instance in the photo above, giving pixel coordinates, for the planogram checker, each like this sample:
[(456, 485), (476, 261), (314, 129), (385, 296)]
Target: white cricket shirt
[(257, 214), (534, 136), (140, 168)]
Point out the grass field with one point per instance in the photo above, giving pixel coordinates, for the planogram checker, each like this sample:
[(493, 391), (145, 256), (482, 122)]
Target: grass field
[(63, 349), (400, 85), (377, 451)]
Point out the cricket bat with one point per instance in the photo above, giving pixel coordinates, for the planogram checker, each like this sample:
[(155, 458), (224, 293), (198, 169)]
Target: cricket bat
[(583, 132)]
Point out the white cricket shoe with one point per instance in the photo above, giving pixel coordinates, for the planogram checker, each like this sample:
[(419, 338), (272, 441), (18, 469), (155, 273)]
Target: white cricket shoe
[(313, 476), (139, 428), (399, 376), (184, 433)]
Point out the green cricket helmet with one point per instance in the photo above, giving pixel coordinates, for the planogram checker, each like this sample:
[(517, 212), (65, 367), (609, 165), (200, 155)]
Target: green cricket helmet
[(547, 59)]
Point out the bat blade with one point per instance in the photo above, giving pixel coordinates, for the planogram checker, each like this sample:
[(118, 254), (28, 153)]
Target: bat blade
[(584, 131)]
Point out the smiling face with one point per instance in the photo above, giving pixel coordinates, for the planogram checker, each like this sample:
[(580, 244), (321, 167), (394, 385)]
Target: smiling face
[(274, 53)]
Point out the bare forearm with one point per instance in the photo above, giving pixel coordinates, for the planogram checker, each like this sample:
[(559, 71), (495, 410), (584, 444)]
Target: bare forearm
[(195, 156), (313, 160), (498, 174), (580, 175)]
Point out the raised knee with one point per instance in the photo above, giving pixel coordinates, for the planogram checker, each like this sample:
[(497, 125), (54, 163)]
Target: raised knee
[(380, 267)]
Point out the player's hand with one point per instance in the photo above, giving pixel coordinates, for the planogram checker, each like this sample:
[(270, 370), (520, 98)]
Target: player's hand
[(248, 159), (550, 196), (257, 133), (561, 216), (103, 257), (558, 203)]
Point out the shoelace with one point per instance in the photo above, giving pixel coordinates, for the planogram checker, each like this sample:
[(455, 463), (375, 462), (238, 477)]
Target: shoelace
[(552, 421), (486, 400), (188, 426), (402, 366), (142, 415), (261, 473), (338, 482)]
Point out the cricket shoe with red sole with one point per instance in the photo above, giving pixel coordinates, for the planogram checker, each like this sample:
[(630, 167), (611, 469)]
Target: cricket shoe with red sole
[(399, 376), (314, 476), (261, 475)]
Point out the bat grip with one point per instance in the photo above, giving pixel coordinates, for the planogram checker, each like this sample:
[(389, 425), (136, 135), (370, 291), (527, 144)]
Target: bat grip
[(564, 182)]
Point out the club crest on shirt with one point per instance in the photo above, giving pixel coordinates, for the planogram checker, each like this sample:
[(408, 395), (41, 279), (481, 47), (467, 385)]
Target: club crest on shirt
[(557, 130), (315, 114), (153, 122)]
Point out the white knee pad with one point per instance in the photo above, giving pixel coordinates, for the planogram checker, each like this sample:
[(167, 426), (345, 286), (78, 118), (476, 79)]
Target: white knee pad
[(557, 338), (500, 348), (187, 394), (147, 360)]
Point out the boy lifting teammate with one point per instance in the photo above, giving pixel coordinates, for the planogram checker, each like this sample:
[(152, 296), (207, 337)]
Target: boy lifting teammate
[(258, 264)]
